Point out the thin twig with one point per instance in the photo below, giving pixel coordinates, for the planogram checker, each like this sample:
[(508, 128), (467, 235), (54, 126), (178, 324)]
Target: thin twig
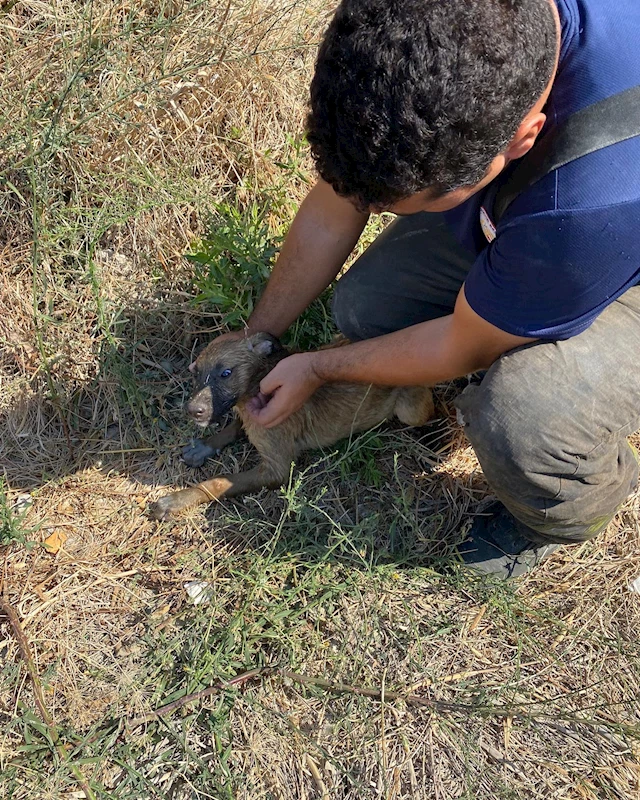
[(25, 651), (135, 722), (340, 688), (376, 694), (441, 705)]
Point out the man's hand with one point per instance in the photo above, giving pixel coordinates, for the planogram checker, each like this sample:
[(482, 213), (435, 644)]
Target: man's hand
[(284, 390)]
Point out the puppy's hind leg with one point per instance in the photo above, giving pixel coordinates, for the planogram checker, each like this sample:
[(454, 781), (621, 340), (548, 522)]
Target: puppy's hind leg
[(262, 476), (199, 450), (414, 405)]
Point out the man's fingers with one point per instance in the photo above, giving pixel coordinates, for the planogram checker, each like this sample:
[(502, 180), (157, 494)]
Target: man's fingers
[(257, 403), (253, 407), (284, 390), (263, 399), (267, 417), (268, 384), (273, 412)]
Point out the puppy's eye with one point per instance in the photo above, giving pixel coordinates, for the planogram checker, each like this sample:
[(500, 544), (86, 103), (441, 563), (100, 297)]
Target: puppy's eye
[(225, 373)]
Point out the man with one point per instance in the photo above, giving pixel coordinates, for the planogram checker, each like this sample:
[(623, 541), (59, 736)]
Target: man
[(419, 107)]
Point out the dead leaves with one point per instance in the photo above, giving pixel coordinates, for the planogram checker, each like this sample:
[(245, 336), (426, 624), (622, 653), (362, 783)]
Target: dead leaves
[(55, 541)]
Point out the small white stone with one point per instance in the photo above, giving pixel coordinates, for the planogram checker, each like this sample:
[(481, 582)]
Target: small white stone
[(634, 586)]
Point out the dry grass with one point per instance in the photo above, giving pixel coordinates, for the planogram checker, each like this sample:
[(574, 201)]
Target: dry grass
[(122, 126)]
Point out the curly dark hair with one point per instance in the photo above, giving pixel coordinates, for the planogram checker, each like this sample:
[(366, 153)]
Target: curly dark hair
[(411, 95)]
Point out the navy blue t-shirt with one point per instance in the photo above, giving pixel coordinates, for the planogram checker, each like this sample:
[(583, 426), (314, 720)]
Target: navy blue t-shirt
[(570, 245)]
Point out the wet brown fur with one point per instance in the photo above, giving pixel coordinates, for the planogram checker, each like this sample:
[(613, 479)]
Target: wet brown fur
[(335, 411)]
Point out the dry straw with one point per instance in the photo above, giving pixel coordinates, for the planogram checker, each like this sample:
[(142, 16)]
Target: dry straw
[(121, 125)]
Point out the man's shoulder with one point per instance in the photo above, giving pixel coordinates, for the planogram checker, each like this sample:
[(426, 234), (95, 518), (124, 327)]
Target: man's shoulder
[(599, 58)]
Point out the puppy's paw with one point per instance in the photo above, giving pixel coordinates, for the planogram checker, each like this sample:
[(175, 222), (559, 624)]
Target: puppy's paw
[(177, 501), (197, 452), (161, 508)]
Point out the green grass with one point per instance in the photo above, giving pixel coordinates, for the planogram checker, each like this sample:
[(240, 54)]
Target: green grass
[(233, 262), (310, 595), (12, 521), (299, 587)]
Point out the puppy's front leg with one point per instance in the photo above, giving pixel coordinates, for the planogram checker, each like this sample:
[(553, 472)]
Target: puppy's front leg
[(216, 488), (199, 450)]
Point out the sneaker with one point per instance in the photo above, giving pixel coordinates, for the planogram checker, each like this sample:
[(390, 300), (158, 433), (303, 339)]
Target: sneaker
[(497, 544)]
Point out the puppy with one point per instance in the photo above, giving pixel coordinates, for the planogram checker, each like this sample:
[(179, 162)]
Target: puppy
[(227, 375)]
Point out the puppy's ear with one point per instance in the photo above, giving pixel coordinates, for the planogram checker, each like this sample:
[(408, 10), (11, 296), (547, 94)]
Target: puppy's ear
[(264, 344)]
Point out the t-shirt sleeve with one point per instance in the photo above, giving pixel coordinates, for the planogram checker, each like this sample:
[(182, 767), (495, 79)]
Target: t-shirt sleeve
[(549, 275)]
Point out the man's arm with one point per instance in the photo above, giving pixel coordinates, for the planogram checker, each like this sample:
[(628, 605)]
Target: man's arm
[(428, 353), (322, 235)]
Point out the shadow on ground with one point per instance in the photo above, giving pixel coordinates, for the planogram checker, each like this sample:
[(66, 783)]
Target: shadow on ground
[(394, 492)]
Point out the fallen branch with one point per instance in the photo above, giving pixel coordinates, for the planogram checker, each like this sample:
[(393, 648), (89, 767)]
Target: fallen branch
[(381, 695), (25, 651), (261, 672), (528, 715), (150, 716)]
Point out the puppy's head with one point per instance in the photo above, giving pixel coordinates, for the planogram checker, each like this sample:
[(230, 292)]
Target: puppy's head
[(227, 371)]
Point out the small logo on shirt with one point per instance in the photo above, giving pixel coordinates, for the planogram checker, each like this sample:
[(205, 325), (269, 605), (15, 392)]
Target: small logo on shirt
[(488, 228)]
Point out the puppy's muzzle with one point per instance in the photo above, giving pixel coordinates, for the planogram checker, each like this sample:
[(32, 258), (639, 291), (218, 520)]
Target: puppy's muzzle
[(200, 408)]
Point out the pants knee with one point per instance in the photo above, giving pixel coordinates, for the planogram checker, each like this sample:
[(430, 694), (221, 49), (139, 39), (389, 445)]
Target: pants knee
[(505, 444), (351, 310), (540, 457)]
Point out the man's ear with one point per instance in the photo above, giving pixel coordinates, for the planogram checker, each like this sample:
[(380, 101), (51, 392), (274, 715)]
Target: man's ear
[(526, 136), (264, 344)]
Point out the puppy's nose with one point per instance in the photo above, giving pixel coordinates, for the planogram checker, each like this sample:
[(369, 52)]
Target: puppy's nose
[(197, 410)]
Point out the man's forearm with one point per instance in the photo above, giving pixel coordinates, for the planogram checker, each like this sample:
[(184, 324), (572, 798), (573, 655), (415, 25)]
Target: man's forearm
[(428, 353), (434, 351), (410, 357), (321, 237)]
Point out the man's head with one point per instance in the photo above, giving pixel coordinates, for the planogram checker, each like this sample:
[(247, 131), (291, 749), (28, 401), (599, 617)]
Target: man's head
[(428, 97)]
